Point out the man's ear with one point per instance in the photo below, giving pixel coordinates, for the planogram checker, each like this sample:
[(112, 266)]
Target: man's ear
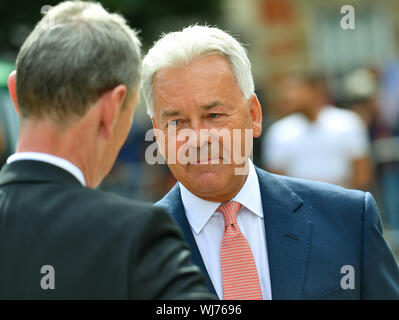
[(12, 89), (111, 103), (256, 116)]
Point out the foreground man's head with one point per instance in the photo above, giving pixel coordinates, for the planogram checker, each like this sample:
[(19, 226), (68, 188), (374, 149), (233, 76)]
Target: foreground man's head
[(76, 86), (200, 94)]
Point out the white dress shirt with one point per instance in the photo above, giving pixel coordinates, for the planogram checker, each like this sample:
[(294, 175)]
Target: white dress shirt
[(208, 227), (48, 158)]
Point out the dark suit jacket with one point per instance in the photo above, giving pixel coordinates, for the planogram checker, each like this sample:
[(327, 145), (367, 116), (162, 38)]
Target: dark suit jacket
[(313, 230), (100, 245)]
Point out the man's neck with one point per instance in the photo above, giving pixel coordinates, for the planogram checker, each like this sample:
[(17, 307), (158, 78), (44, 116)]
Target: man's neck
[(44, 138), (50, 159)]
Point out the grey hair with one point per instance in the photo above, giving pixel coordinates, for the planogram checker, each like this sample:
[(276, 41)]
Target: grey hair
[(75, 53), (178, 48)]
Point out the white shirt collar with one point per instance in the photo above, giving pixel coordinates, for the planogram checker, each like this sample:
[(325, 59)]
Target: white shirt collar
[(48, 158), (199, 211)]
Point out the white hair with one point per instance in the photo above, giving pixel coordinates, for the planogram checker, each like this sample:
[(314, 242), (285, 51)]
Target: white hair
[(180, 48), (75, 53)]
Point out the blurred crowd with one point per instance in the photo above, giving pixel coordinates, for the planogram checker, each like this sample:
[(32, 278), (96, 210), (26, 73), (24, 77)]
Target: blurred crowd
[(349, 138)]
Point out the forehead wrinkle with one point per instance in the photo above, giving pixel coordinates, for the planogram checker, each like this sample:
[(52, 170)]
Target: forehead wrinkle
[(212, 105), (169, 113), (181, 86)]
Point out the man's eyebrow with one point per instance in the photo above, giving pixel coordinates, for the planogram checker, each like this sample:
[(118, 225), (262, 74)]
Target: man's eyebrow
[(211, 105), (168, 113)]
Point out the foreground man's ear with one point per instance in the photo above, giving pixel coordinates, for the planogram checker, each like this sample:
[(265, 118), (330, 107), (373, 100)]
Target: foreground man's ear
[(12, 89), (111, 104)]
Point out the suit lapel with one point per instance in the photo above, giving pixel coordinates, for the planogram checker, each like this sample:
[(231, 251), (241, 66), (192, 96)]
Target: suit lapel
[(173, 204), (288, 237)]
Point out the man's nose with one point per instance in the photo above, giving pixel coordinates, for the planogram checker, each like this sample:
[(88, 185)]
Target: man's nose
[(197, 135), (198, 138)]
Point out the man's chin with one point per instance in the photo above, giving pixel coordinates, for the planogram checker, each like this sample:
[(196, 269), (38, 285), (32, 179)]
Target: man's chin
[(207, 184), (207, 172)]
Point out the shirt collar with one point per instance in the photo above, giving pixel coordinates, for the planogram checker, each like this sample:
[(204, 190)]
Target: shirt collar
[(199, 211), (51, 159)]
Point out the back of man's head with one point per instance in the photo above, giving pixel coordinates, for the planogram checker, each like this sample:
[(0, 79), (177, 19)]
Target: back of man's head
[(76, 52)]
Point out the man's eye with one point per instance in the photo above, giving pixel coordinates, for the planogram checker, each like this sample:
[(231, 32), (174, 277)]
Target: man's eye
[(214, 115), (173, 122)]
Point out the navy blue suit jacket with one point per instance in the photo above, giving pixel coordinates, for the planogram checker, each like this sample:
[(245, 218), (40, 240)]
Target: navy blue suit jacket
[(312, 230)]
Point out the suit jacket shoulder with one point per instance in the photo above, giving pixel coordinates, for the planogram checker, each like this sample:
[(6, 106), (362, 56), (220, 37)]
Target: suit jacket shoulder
[(347, 248), (100, 245)]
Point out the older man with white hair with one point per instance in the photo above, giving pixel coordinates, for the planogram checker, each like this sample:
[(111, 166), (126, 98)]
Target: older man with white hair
[(255, 235)]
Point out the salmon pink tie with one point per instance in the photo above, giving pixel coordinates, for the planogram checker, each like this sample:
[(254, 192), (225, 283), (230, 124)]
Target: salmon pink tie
[(239, 274)]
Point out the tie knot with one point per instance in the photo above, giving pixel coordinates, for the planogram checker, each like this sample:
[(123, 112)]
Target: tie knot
[(230, 210)]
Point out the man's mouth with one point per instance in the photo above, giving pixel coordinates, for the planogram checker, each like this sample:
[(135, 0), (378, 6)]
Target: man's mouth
[(208, 161)]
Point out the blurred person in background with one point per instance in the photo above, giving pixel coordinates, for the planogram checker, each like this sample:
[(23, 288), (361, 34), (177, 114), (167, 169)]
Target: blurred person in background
[(126, 175), (385, 136), (76, 90), (374, 97), (131, 175), (361, 91), (317, 141)]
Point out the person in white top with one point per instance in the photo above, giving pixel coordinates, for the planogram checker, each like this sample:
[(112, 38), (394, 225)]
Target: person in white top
[(318, 141)]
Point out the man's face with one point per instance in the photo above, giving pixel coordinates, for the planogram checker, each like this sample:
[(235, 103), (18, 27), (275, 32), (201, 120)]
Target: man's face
[(203, 98)]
